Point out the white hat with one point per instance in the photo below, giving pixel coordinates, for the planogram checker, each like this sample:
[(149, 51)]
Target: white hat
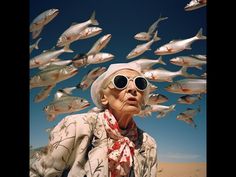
[(97, 85)]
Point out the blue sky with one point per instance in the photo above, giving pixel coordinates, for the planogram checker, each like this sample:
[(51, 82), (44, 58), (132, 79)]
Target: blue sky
[(177, 141)]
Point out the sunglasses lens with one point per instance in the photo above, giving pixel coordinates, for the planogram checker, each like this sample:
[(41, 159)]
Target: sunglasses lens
[(141, 83), (120, 81)]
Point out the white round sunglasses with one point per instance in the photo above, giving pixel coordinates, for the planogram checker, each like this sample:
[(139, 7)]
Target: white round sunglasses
[(120, 82)]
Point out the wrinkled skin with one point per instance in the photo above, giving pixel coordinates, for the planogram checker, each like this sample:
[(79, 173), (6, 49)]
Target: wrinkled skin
[(123, 103)]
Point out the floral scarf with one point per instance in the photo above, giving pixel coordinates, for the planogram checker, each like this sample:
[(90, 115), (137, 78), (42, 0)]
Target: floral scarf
[(121, 145)]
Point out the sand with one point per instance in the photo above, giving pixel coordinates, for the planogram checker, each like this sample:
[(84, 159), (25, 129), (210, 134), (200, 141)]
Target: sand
[(194, 169)]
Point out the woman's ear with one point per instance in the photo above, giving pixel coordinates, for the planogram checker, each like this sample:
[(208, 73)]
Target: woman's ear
[(104, 99)]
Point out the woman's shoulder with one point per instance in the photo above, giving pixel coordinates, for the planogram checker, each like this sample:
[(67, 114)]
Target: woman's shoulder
[(147, 140), (82, 116), (77, 119)]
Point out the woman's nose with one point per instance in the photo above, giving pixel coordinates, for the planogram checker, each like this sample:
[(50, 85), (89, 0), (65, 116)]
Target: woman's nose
[(131, 87)]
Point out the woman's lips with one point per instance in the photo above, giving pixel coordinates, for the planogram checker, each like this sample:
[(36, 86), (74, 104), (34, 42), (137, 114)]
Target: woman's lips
[(132, 101)]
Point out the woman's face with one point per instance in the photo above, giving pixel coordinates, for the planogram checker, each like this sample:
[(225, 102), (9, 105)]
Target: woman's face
[(126, 101)]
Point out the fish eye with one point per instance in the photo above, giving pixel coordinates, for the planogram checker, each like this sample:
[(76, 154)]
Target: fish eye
[(69, 67), (82, 100)]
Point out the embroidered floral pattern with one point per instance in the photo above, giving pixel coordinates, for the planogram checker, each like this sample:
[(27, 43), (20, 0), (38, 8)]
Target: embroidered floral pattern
[(121, 150), (93, 145)]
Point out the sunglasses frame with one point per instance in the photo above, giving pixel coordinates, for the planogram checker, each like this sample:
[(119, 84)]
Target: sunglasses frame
[(128, 80)]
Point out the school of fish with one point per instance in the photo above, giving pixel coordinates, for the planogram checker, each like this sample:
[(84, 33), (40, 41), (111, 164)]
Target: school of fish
[(53, 70)]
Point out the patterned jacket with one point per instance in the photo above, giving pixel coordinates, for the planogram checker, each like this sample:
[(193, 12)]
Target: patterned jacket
[(79, 143)]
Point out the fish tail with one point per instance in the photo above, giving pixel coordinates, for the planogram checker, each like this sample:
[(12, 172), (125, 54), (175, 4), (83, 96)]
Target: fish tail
[(36, 43), (93, 20), (36, 33), (172, 107), (199, 35), (161, 18), (183, 72), (67, 48), (78, 86), (164, 113), (161, 115), (155, 37), (161, 61)]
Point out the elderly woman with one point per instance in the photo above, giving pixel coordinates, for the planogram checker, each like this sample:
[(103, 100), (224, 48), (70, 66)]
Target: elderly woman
[(105, 144)]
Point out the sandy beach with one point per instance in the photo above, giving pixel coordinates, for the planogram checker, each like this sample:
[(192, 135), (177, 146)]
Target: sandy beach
[(193, 169)]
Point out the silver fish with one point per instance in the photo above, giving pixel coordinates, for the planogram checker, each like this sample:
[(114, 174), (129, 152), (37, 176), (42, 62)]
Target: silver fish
[(146, 36), (195, 4), (46, 57), (176, 46), (71, 34), (140, 49), (89, 32), (44, 93), (161, 109), (189, 99), (89, 78), (64, 103), (41, 20), (162, 75), (188, 86), (188, 115), (146, 64), (86, 60), (188, 61), (94, 73), (52, 75), (100, 44), (56, 61), (34, 46), (156, 99)]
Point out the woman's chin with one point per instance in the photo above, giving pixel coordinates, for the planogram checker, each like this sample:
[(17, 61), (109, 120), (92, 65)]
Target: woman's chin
[(132, 109)]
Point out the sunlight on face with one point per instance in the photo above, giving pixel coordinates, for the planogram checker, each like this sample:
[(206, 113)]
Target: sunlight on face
[(128, 100)]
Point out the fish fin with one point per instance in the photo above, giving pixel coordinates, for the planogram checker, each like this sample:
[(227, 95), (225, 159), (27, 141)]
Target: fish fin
[(161, 61), (155, 37), (67, 48), (199, 35), (161, 115), (36, 33), (175, 40), (51, 117), (172, 107), (69, 90), (36, 43), (44, 66), (198, 67), (58, 94), (93, 20)]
